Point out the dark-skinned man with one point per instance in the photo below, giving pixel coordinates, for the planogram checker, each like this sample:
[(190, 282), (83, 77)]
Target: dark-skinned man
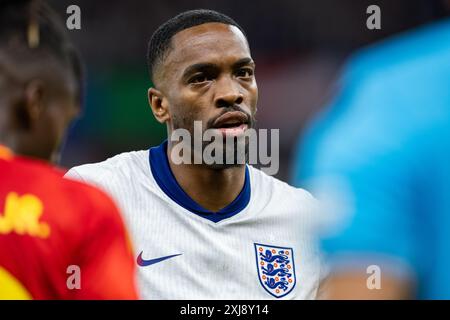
[(208, 230)]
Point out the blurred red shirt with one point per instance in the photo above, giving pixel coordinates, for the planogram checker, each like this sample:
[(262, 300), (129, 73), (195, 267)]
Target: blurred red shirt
[(59, 239)]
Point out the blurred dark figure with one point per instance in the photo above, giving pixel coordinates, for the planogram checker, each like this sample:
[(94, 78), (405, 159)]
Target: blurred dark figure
[(379, 159), (39, 97), (49, 227)]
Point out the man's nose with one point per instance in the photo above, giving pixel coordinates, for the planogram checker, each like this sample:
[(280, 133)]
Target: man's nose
[(228, 93)]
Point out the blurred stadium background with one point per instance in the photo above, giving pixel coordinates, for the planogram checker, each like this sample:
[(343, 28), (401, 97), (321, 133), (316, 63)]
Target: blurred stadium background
[(299, 47)]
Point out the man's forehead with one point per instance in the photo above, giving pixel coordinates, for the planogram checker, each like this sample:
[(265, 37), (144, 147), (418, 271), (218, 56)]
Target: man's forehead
[(209, 40), (214, 29)]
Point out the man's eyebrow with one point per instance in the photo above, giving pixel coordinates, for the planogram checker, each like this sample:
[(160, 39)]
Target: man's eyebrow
[(198, 67), (206, 65), (243, 62)]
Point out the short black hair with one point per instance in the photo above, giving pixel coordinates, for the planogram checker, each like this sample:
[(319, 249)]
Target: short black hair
[(160, 41), (31, 29)]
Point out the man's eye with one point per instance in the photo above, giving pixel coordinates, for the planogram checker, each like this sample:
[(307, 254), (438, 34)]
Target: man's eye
[(244, 73), (199, 79)]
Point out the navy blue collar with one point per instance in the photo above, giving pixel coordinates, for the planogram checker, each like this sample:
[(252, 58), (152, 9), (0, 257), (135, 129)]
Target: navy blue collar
[(159, 165)]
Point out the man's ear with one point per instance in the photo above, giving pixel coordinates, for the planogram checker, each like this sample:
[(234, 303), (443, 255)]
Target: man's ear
[(30, 107), (158, 104)]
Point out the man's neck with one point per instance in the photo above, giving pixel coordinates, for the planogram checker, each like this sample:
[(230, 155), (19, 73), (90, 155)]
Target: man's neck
[(213, 189)]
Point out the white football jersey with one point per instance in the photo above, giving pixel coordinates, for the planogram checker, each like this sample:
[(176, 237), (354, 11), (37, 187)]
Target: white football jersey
[(258, 247)]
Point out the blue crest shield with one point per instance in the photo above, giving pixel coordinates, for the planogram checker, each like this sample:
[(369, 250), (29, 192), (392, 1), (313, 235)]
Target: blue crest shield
[(276, 270)]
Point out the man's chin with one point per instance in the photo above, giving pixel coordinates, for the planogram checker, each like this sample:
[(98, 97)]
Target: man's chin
[(230, 156)]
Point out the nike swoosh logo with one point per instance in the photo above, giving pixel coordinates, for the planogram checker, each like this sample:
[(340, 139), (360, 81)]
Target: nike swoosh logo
[(144, 263)]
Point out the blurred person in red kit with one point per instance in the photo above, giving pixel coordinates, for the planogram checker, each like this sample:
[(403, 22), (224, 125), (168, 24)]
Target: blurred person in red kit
[(59, 239)]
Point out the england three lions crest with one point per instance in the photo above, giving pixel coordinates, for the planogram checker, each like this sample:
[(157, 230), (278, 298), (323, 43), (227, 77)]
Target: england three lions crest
[(276, 270)]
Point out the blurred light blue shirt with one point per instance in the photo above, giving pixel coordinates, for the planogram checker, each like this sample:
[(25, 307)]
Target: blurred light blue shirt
[(386, 136)]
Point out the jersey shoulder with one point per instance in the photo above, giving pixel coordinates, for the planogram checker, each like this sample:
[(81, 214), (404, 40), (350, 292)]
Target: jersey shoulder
[(18, 166), (263, 185), (124, 165), (29, 176)]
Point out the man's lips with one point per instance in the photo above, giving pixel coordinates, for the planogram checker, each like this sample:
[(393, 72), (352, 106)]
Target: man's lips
[(230, 120), (233, 131)]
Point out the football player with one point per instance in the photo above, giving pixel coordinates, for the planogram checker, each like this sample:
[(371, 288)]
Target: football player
[(208, 231)]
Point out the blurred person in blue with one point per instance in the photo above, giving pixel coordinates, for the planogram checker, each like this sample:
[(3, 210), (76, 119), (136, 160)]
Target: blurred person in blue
[(379, 159)]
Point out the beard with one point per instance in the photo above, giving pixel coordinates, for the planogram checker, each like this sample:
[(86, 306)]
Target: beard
[(228, 151), (233, 152)]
